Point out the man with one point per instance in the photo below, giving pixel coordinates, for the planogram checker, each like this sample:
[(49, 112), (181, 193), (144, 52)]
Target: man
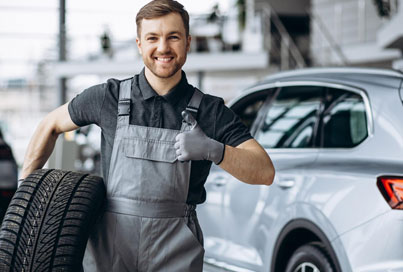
[(159, 138)]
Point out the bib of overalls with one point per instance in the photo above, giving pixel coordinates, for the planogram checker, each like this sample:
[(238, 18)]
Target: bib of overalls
[(147, 225)]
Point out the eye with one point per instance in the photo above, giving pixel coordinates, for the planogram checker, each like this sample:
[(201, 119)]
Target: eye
[(151, 38), (173, 37)]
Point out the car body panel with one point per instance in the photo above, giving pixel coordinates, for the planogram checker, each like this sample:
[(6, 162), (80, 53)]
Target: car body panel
[(375, 77), (378, 254), (334, 189), (401, 91), (268, 206), (212, 210), (251, 210)]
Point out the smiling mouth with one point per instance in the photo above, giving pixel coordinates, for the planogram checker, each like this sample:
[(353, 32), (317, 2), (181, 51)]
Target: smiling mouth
[(163, 59)]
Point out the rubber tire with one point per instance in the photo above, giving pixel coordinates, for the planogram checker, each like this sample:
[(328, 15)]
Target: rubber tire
[(313, 253), (48, 221)]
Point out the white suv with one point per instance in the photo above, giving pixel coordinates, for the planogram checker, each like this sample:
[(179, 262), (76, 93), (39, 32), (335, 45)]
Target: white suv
[(335, 136)]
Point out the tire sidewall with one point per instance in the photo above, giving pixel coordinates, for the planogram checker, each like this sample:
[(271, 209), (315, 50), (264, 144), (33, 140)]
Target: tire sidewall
[(309, 254)]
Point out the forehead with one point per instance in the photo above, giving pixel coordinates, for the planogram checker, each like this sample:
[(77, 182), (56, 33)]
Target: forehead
[(171, 22)]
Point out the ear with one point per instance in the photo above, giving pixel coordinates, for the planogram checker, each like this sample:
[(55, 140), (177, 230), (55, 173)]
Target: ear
[(138, 42), (188, 40)]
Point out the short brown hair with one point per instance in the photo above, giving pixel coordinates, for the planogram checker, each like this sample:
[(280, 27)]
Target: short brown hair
[(158, 8)]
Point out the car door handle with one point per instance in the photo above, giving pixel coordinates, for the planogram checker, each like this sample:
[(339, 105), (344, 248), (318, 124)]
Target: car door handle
[(286, 183)]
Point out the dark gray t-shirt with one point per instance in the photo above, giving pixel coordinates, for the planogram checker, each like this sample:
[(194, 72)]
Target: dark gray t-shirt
[(99, 105)]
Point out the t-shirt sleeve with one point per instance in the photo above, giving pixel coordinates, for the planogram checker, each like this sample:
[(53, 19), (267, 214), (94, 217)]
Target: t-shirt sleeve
[(85, 108), (229, 128)]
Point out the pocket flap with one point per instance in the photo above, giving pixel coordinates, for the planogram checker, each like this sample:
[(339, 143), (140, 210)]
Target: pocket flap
[(150, 149)]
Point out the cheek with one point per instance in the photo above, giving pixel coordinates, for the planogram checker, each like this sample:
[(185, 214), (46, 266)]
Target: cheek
[(182, 49), (140, 49), (144, 51)]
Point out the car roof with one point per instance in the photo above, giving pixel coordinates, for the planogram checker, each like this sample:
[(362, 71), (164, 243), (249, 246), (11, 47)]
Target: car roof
[(338, 70), (348, 75)]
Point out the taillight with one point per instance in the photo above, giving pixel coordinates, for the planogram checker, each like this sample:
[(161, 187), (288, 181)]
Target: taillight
[(392, 190)]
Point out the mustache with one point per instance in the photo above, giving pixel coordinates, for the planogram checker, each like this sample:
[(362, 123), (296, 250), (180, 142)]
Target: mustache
[(163, 54)]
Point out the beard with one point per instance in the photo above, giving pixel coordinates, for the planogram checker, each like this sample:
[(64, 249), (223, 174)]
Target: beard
[(164, 73), (165, 70)]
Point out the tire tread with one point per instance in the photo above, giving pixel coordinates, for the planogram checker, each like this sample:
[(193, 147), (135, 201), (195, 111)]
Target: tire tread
[(48, 221)]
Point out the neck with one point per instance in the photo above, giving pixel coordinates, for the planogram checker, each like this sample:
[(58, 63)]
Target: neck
[(162, 85)]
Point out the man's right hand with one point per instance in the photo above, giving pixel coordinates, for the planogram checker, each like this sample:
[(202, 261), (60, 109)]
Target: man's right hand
[(195, 145)]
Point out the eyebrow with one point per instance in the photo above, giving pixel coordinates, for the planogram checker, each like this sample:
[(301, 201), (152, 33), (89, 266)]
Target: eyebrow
[(156, 34)]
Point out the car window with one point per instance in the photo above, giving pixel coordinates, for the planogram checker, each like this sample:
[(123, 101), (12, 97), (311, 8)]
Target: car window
[(292, 117), (344, 119), (248, 107)]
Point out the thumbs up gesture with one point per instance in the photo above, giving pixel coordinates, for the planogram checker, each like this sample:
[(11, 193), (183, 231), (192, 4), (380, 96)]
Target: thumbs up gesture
[(195, 145)]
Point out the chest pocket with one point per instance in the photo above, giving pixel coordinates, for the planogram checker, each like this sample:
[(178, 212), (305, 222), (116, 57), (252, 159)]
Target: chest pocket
[(150, 149), (152, 168)]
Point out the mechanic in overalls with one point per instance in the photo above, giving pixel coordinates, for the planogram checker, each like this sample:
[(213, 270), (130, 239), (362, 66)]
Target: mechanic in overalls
[(159, 138)]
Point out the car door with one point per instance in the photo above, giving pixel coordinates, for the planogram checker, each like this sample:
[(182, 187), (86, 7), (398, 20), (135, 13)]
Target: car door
[(342, 168), (287, 131), (211, 212)]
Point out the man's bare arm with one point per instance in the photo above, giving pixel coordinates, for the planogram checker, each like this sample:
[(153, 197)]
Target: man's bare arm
[(249, 163), (43, 141)]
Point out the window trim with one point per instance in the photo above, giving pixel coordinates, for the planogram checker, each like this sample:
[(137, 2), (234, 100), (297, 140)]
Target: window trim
[(280, 84), (271, 92)]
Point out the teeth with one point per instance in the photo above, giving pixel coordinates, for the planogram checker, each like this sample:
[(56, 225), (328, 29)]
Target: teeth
[(164, 59)]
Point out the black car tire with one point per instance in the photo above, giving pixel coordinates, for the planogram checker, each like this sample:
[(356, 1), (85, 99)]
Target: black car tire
[(48, 221), (310, 256)]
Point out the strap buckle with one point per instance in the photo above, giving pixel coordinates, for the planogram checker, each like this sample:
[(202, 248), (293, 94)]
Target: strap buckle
[(124, 107), (192, 109)]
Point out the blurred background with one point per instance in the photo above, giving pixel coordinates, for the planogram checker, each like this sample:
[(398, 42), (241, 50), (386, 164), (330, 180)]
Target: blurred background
[(52, 50)]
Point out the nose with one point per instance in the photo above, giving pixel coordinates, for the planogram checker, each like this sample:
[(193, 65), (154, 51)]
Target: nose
[(163, 46)]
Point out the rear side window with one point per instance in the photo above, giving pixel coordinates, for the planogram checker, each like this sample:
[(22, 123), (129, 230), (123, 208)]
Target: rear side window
[(292, 118), (248, 107), (344, 119)]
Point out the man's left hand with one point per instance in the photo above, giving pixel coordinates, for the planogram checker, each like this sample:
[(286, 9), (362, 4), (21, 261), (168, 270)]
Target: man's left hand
[(195, 145)]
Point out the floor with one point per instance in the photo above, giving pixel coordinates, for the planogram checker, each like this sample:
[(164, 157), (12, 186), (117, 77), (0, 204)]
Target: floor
[(206, 267)]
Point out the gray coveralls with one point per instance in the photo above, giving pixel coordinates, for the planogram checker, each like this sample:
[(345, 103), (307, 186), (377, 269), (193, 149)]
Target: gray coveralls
[(147, 225)]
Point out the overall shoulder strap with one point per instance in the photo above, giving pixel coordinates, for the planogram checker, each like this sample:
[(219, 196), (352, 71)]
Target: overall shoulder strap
[(124, 103), (194, 102), (124, 98)]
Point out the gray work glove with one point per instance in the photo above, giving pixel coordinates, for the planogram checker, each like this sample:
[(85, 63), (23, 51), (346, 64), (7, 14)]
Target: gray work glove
[(195, 145)]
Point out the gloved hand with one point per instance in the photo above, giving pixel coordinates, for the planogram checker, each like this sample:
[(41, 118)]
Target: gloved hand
[(195, 145)]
